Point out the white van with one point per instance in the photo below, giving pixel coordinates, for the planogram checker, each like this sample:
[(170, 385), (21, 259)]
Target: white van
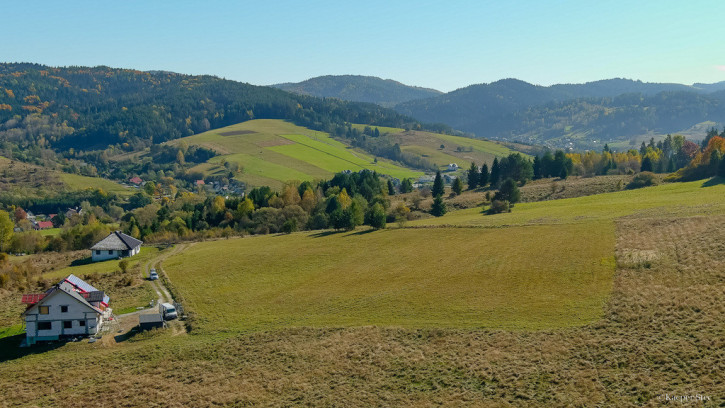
[(168, 311)]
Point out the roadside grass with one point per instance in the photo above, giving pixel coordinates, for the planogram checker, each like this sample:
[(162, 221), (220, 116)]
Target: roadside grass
[(272, 152), (454, 278), (676, 199), (86, 267)]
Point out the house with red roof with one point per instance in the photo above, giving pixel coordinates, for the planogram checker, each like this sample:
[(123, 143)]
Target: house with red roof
[(72, 308), (41, 225)]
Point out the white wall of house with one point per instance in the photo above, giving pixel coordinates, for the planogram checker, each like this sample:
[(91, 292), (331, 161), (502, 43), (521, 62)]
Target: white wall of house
[(103, 255), (61, 323)]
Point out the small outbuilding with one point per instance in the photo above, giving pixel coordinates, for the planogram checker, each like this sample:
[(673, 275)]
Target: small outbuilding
[(150, 321), (115, 245)]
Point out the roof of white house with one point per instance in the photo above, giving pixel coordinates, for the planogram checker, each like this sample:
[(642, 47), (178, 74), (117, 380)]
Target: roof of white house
[(117, 241), (63, 287)]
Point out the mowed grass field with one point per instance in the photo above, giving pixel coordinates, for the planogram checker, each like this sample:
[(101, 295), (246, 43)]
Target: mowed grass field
[(272, 152), (78, 182), (512, 278)]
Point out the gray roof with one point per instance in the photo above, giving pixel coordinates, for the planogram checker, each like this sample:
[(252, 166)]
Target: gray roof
[(150, 318), (117, 241)]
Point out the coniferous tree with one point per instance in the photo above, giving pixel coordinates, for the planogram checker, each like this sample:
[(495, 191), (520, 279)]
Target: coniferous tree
[(438, 186), (537, 168), (509, 191), (721, 169), (439, 207), (473, 176), (646, 164), (457, 186), (406, 186), (495, 172), (483, 176), (391, 187)]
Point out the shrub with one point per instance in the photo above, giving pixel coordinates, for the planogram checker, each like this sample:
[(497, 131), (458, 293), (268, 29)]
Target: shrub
[(644, 179), (499, 206)]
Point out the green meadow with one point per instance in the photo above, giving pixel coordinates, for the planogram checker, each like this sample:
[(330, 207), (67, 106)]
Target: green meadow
[(271, 152), (510, 278), (674, 199)]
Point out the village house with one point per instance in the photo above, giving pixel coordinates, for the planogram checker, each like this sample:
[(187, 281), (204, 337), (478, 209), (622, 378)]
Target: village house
[(72, 308), (41, 225), (115, 245), (452, 167), (135, 180)]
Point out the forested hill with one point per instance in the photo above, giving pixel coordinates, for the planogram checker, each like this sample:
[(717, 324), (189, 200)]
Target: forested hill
[(384, 92), (91, 108), (609, 110)]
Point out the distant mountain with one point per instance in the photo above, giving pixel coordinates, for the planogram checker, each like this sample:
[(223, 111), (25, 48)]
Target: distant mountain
[(357, 88), (613, 109)]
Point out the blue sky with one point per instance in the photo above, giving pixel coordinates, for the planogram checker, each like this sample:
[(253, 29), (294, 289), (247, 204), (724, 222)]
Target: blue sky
[(438, 44)]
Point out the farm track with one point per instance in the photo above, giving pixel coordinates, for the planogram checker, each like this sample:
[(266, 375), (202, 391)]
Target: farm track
[(161, 291)]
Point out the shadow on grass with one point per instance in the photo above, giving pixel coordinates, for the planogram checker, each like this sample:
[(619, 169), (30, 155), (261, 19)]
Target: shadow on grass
[(363, 232), (715, 181), (84, 261), (10, 347), (325, 233), (128, 335)]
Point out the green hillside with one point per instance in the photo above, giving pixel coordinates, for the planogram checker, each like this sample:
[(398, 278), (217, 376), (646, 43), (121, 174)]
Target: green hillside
[(270, 152), (23, 181), (456, 149)]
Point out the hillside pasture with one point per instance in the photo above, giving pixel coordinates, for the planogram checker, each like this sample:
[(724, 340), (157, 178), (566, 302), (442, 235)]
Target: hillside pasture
[(453, 278), (271, 152), (674, 199)]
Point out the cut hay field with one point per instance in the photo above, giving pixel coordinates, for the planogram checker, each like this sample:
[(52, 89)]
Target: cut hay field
[(511, 278), (272, 152)]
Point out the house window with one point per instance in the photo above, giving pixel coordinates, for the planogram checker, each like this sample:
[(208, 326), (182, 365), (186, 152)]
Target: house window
[(67, 324), (98, 252), (44, 325), (44, 309), (81, 323), (110, 252), (64, 309)]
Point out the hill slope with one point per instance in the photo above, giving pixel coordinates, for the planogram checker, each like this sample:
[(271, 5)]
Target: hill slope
[(358, 88), (270, 152), (91, 108)]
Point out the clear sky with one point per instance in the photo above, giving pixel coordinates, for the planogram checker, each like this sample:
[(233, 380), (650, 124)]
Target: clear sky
[(438, 44)]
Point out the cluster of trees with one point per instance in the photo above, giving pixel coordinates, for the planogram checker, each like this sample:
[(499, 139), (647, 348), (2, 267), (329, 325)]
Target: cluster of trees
[(382, 145), (343, 202), (707, 162)]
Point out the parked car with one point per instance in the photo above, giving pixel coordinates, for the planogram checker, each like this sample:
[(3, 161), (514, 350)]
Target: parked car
[(153, 275), (168, 311)]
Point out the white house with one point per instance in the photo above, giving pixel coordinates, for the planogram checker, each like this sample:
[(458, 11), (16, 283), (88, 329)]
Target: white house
[(115, 245), (72, 308), (452, 167)]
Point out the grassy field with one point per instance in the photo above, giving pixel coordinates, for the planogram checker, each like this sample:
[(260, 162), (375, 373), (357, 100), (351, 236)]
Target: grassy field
[(78, 182), (88, 268), (456, 149), (508, 278), (274, 151), (23, 180), (606, 300), (675, 199)]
